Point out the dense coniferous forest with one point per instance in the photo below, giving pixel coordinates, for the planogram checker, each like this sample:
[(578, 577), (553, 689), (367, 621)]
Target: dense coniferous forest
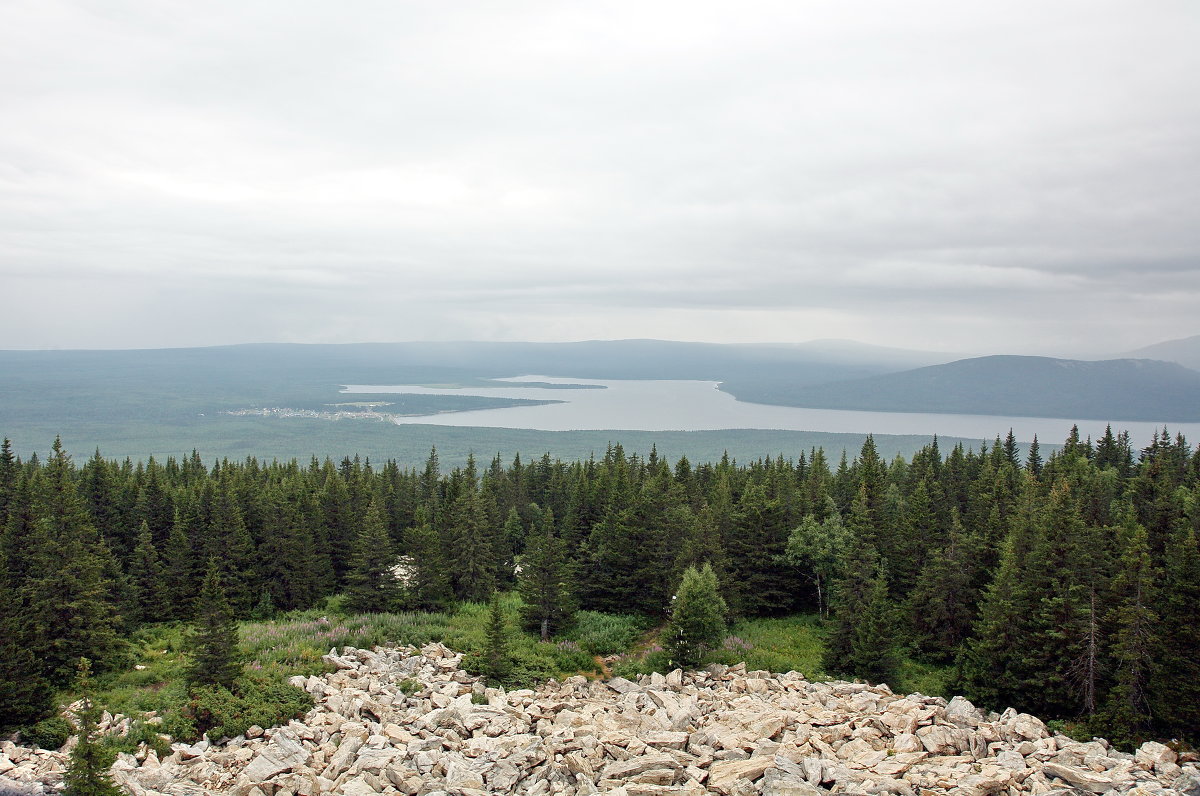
[(1064, 585)]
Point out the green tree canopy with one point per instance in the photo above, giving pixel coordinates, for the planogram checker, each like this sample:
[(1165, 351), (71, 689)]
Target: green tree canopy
[(697, 622)]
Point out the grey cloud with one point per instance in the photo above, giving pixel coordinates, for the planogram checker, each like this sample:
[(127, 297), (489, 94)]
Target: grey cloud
[(1008, 174)]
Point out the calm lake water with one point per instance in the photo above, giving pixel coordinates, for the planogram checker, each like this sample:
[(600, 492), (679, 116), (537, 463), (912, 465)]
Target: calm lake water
[(645, 405)]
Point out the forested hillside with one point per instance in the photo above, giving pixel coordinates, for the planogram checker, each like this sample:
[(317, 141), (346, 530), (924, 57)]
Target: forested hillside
[(1129, 389), (1064, 585)]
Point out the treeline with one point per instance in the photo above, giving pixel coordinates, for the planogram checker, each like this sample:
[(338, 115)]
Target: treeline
[(1066, 586)]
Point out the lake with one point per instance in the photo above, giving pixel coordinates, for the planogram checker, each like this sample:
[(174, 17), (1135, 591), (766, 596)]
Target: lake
[(676, 405)]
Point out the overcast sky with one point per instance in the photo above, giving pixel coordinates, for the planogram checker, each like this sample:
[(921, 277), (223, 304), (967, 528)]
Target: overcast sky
[(1015, 176)]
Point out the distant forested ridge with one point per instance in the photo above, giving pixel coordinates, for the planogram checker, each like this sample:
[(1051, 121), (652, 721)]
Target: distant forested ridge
[(1064, 584), (168, 401), (1128, 389)]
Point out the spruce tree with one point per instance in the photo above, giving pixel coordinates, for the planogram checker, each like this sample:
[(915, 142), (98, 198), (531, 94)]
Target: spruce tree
[(8, 479), (497, 663), (87, 772), (991, 669), (371, 585), (472, 547), (760, 580), (544, 583), (1175, 681), (850, 594), (214, 637), (68, 597), (697, 623), (25, 695), (1033, 464), (428, 586), (941, 603), (1127, 712), (615, 571), (179, 567), (1062, 578), (148, 591), (230, 542), (873, 654)]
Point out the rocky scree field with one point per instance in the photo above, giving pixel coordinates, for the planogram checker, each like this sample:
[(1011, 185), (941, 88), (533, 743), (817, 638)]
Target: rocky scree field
[(411, 721)]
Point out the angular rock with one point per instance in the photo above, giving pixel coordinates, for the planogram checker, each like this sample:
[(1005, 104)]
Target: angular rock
[(1080, 778), (724, 775)]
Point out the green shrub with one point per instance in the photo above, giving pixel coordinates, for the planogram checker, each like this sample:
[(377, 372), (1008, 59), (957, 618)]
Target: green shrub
[(570, 657), (50, 733), (179, 725), (259, 700), (606, 634), (139, 733), (654, 660)]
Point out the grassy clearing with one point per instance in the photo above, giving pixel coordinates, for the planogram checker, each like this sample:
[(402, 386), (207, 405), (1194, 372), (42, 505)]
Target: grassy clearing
[(782, 644), (606, 634), (924, 678), (294, 643), (792, 643)]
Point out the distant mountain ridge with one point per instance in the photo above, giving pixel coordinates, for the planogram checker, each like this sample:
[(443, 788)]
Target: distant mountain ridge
[(1185, 351), (156, 400), (1115, 389)]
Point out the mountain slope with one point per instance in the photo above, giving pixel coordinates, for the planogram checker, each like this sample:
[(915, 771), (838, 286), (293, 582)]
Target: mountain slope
[(1117, 389), (1185, 351)]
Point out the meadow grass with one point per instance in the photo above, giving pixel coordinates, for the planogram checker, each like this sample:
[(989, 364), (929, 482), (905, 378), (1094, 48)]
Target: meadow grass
[(294, 643), (777, 644), (606, 634)]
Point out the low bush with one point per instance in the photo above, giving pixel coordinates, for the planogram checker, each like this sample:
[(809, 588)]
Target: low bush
[(606, 634), (139, 733), (654, 659), (49, 733), (258, 700)]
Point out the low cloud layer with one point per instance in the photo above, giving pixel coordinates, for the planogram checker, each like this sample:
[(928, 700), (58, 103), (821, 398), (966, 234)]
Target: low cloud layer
[(1018, 177)]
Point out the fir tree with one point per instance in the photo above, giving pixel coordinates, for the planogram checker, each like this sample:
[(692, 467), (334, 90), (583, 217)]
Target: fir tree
[(371, 585), (1175, 680), (543, 581), (87, 772), (1127, 713), (497, 663), (873, 654), (25, 695), (146, 580), (941, 603), (697, 622), (214, 636), (428, 585)]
